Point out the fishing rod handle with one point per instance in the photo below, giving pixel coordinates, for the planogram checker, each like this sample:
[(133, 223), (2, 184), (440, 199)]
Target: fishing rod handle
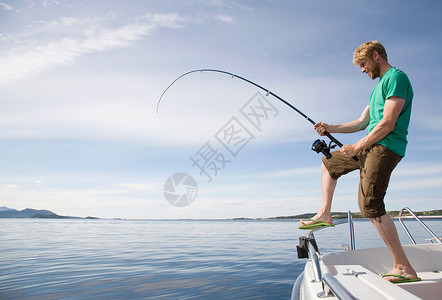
[(332, 138)]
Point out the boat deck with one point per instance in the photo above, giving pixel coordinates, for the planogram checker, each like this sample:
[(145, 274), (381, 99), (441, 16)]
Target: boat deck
[(358, 271)]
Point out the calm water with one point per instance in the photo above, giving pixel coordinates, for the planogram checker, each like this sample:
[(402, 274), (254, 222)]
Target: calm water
[(126, 259)]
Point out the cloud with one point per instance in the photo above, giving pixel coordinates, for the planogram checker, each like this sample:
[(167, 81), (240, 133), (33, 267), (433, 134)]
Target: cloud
[(418, 184), (293, 172), (420, 170), (9, 186), (417, 176), (47, 3), (138, 186), (230, 5), (37, 57), (169, 20), (5, 37), (225, 18), (5, 6), (69, 21)]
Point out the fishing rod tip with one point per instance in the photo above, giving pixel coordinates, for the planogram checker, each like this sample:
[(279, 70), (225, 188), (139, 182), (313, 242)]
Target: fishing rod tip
[(158, 107)]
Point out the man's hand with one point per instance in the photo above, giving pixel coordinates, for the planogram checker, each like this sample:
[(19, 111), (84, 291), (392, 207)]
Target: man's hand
[(321, 127), (349, 150)]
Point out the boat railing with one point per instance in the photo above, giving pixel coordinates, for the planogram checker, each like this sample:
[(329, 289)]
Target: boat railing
[(309, 249), (315, 262), (351, 231), (329, 283), (336, 287), (420, 222)]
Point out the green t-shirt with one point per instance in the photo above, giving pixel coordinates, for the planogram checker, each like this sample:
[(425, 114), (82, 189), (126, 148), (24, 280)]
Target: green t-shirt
[(393, 83)]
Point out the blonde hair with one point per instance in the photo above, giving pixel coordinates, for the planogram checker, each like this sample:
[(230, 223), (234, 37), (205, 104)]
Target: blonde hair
[(366, 50)]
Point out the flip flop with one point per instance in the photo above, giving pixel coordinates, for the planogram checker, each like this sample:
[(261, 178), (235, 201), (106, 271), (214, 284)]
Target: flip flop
[(403, 279), (315, 225)]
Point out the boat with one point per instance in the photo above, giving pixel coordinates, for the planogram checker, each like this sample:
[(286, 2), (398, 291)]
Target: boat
[(355, 273)]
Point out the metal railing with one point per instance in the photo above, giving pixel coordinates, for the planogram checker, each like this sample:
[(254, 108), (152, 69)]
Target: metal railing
[(337, 288), (329, 283), (315, 262), (420, 222), (351, 231)]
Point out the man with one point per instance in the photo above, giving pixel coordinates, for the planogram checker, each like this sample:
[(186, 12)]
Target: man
[(386, 118)]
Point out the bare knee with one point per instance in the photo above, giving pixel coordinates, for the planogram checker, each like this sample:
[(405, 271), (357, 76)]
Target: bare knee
[(375, 220), (378, 220)]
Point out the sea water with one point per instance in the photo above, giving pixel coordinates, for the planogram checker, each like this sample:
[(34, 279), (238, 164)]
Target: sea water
[(164, 259)]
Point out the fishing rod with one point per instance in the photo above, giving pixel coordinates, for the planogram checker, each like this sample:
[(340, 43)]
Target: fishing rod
[(318, 145)]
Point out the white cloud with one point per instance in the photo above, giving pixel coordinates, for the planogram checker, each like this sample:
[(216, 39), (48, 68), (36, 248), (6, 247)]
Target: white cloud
[(5, 6), (293, 172), (418, 184), (169, 20), (230, 5), (70, 21), (102, 201), (47, 3), (138, 186), (5, 37), (9, 186), (416, 170), (225, 18), (37, 57), (417, 176)]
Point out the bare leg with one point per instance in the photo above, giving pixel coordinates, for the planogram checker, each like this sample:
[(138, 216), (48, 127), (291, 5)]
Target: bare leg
[(328, 188), (388, 232)]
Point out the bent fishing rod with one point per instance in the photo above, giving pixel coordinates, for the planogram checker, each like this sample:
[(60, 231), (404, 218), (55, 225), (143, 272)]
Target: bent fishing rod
[(318, 146)]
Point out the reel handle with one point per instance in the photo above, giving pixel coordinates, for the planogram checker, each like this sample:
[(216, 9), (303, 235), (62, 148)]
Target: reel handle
[(332, 138)]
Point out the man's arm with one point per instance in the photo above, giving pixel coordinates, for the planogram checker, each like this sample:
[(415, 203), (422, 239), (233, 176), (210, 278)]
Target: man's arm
[(353, 126), (392, 108)]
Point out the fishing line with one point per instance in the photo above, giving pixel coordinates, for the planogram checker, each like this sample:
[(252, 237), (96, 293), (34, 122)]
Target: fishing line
[(318, 145)]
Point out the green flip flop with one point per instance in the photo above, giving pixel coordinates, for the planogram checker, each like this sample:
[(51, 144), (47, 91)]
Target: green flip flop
[(403, 279), (315, 225)]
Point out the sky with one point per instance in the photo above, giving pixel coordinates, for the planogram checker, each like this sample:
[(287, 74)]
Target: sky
[(80, 81)]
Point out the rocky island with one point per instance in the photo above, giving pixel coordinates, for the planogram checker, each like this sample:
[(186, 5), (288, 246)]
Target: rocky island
[(6, 212)]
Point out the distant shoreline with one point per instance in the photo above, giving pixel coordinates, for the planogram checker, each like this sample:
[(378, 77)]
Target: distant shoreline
[(29, 213), (436, 214)]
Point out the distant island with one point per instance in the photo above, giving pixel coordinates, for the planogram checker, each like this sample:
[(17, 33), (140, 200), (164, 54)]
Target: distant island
[(6, 212)]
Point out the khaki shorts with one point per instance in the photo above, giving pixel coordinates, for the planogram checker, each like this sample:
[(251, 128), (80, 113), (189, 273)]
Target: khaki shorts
[(376, 163)]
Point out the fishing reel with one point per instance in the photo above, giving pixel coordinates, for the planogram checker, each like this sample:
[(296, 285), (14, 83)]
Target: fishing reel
[(320, 146)]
